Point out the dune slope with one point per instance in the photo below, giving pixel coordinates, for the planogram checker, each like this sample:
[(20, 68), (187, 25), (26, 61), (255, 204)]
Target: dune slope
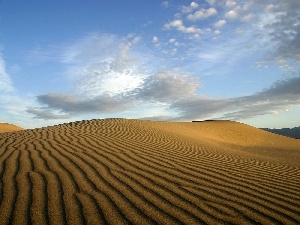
[(6, 127), (118, 171)]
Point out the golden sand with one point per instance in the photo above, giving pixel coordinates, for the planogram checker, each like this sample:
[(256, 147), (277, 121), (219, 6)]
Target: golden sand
[(6, 127), (119, 171)]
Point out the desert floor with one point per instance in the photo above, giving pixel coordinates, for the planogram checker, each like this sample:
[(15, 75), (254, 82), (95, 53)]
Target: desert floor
[(119, 171)]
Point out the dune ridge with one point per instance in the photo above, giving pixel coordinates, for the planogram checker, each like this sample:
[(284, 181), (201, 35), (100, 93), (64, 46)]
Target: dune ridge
[(119, 171), (6, 127)]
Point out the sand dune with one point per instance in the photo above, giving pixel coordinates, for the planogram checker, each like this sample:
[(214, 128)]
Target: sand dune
[(119, 171), (6, 127)]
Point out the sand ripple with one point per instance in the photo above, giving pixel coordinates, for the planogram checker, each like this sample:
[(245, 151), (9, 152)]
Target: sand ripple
[(118, 171)]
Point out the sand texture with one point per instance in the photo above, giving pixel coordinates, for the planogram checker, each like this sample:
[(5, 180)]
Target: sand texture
[(118, 171), (6, 127)]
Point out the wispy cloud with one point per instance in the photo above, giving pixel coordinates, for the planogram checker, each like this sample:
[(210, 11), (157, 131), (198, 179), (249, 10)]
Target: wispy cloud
[(88, 48), (277, 98), (5, 81), (104, 64), (190, 8), (220, 23), (230, 3), (211, 2), (116, 74), (103, 68), (284, 29), (232, 14), (164, 87), (202, 14), (178, 25), (250, 25), (179, 93), (13, 108), (165, 4)]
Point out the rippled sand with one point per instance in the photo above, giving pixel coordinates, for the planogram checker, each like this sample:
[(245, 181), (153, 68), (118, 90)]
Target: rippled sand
[(118, 171)]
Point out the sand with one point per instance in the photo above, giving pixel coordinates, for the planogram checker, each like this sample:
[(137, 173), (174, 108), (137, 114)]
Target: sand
[(6, 127), (118, 171)]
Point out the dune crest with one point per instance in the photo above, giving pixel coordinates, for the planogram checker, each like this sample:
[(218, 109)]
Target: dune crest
[(6, 127), (119, 171)]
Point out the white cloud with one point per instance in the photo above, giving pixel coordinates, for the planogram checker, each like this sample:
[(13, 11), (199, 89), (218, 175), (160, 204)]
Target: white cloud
[(269, 8), (104, 64), (155, 39), (114, 67), (73, 105), (13, 108), (230, 3), (190, 8), (160, 88), (248, 17), (167, 86), (278, 27), (202, 14), (282, 61), (194, 5), (220, 23), (217, 32), (175, 23), (46, 114), (89, 47), (247, 6), (178, 92), (165, 4), (5, 81), (110, 77), (285, 30), (134, 41), (285, 65), (178, 25), (277, 98), (211, 2), (232, 14)]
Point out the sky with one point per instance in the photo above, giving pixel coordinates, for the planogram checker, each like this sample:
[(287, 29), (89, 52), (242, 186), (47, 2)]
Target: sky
[(66, 60)]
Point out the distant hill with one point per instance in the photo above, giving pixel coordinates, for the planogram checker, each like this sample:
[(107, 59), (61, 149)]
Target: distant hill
[(6, 127), (289, 132)]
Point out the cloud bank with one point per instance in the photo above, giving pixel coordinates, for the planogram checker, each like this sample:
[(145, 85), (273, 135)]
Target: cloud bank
[(113, 74), (283, 28), (177, 92), (73, 105), (277, 98)]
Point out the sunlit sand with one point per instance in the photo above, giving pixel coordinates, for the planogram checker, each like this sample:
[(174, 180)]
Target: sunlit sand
[(119, 171), (6, 127)]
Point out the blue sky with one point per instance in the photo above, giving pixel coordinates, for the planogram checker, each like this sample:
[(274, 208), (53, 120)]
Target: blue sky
[(63, 61)]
